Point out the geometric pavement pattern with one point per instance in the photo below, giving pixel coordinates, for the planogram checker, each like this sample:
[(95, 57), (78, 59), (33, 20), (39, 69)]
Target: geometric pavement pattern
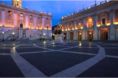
[(70, 59)]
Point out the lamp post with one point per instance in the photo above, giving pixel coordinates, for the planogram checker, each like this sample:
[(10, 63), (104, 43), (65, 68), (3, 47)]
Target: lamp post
[(3, 36), (13, 33)]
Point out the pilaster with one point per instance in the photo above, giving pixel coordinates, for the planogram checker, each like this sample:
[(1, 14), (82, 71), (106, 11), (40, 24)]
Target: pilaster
[(75, 35), (3, 17), (27, 21), (96, 32), (112, 27), (15, 19), (84, 35)]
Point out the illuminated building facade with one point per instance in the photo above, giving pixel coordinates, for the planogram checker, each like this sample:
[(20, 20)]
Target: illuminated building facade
[(99, 22), (23, 23)]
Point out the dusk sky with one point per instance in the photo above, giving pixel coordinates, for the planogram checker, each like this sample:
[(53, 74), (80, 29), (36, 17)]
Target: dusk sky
[(57, 8)]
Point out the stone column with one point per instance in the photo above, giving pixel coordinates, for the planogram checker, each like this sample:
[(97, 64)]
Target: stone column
[(96, 33), (84, 35), (26, 26), (112, 27), (43, 24), (3, 17), (34, 21), (27, 21), (68, 35), (75, 35)]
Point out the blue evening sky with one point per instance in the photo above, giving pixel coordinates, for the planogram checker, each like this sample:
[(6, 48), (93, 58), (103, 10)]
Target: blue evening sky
[(57, 8)]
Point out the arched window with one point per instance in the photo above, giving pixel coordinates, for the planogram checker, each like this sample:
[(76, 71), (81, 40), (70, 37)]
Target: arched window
[(103, 21), (90, 22)]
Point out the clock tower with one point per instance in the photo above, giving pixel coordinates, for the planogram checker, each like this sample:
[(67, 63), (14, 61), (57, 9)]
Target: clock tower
[(17, 3)]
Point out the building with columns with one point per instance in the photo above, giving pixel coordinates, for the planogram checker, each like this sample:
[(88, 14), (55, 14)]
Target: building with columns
[(99, 22), (19, 23)]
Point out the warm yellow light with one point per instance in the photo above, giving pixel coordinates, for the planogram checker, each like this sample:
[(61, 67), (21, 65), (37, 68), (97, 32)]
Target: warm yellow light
[(81, 27), (90, 33), (108, 24), (76, 28), (65, 29), (116, 23), (80, 33), (90, 20), (98, 25), (49, 28), (72, 28)]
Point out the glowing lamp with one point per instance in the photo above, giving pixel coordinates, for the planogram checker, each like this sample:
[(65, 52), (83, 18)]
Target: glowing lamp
[(44, 34), (3, 32), (13, 33), (81, 27)]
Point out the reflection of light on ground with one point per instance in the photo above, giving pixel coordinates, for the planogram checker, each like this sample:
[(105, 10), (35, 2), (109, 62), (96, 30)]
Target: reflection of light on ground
[(53, 44), (13, 50), (90, 44), (80, 44), (44, 42)]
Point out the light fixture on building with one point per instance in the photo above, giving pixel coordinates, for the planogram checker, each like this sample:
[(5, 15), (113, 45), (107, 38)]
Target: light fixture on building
[(90, 33), (81, 27), (72, 28), (80, 33), (98, 25), (116, 23), (108, 24)]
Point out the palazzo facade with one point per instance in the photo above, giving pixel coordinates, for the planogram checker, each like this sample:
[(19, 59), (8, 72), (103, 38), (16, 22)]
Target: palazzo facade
[(23, 23), (99, 22)]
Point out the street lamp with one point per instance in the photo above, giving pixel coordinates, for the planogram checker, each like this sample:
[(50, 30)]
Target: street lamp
[(3, 35), (13, 33)]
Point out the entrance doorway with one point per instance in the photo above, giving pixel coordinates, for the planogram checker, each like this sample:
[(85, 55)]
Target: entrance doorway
[(79, 36), (21, 25), (104, 34), (71, 36), (90, 35)]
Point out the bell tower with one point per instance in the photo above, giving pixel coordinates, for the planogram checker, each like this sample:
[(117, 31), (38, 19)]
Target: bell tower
[(17, 3)]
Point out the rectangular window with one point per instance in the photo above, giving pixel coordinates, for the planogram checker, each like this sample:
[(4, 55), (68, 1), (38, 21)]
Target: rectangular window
[(103, 21)]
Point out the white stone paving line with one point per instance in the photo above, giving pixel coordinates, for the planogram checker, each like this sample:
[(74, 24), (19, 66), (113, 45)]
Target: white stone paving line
[(26, 68), (78, 48), (110, 56), (61, 50), (80, 68), (82, 53)]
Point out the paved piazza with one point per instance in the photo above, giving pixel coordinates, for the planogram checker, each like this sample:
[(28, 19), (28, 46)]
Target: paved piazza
[(70, 59)]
